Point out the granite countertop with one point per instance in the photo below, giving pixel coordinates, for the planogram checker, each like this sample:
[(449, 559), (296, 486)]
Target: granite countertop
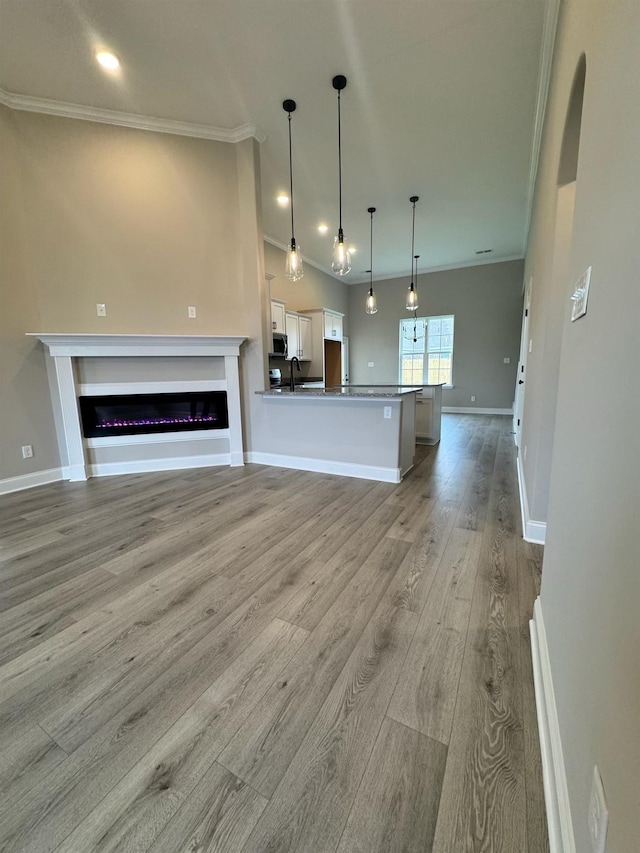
[(342, 391)]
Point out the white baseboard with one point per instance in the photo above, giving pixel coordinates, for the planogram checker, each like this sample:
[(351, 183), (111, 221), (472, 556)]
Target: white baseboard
[(472, 410), (142, 466), (532, 531), (554, 778), (29, 481), (326, 466)]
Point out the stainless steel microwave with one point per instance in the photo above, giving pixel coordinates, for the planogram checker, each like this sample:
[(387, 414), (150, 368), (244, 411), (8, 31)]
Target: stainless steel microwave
[(279, 345)]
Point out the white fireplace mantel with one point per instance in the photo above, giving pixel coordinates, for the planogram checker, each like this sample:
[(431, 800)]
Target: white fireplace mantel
[(64, 348)]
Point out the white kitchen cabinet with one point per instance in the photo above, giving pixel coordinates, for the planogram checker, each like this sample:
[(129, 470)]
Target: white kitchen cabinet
[(428, 414), (304, 338), (332, 326), (277, 316), (299, 336)]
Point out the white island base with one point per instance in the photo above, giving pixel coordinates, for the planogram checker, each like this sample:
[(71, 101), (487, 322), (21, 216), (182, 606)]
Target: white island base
[(352, 431)]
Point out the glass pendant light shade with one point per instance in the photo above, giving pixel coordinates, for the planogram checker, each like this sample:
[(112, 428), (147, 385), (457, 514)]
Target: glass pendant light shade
[(412, 298), (341, 260), (293, 269), (412, 293), (371, 306)]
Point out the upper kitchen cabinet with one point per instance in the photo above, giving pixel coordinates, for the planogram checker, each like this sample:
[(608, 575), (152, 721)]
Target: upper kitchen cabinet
[(327, 323), (299, 336), (277, 316), (333, 325)]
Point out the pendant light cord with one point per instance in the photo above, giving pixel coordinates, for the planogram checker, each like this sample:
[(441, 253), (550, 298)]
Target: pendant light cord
[(291, 179), (413, 234), (371, 212), (339, 166)]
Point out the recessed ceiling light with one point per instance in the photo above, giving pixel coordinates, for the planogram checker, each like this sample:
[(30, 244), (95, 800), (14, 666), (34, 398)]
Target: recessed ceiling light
[(108, 60), (283, 200), (323, 228)]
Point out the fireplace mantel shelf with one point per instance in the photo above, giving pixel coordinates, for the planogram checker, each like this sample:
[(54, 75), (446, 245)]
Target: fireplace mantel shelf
[(77, 344)]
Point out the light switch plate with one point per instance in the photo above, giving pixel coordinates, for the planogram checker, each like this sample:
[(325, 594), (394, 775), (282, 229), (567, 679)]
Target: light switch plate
[(101, 309), (598, 814), (580, 296), (191, 312), (387, 412)]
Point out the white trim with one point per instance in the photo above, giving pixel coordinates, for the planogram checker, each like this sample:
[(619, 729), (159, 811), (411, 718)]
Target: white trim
[(139, 345), (325, 466), (143, 466), (65, 388), (554, 777), (472, 410), (532, 531), (99, 389), (31, 104), (549, 30), (156, 437), (30, 481)]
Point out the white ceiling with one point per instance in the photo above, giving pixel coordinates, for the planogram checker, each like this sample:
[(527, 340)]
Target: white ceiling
[(440, 103)]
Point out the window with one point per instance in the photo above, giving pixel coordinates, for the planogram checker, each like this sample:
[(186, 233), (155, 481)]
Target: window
[(426, 350)]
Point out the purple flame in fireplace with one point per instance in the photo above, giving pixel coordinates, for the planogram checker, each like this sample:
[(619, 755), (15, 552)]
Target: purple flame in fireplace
[(153, 421)]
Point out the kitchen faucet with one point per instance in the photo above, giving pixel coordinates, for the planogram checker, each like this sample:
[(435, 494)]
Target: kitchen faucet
[(293, 381)]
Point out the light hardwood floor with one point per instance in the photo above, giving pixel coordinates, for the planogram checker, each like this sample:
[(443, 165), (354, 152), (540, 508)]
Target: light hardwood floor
[(258, 659)]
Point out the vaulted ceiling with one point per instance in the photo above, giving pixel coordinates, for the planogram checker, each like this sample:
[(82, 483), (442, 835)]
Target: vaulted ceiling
[(441, 103)]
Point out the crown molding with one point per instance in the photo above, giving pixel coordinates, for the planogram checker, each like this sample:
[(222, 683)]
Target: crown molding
[(443, 268), (423, 271), (28, 103), (549, 30)]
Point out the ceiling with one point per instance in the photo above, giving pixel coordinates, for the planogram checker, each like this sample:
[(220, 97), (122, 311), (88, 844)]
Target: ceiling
[(440, 103)]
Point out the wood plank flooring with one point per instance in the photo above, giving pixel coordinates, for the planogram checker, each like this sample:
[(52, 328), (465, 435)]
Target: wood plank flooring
[(257, 659)]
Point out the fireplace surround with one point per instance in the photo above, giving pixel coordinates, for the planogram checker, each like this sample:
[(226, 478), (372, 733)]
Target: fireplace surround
[(123, 452)]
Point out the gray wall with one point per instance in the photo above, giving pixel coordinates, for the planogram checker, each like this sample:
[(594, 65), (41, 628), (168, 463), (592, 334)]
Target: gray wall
[(591, 578), (487, 304)]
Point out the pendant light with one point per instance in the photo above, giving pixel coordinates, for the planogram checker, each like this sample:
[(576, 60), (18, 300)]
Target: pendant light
[(371, 305), (293, 267), (341, 261), (412, 293)]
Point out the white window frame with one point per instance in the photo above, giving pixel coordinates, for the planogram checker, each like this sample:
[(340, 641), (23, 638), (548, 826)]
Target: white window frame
[(425, 366)]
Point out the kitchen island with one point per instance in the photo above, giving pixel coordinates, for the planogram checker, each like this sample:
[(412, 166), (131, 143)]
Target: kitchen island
[(353, 430)]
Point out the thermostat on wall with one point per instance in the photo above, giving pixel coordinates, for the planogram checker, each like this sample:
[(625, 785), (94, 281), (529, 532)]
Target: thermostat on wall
[(580, 296)]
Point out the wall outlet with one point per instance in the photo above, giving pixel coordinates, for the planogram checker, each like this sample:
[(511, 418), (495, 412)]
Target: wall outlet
[(27, 451), (191, 312), (598, 814), (387, 412), (101, 309), (473, 399), (506, 360), (371, 364)]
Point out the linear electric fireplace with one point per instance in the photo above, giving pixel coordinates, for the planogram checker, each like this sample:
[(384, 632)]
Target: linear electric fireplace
[(133, 414)]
